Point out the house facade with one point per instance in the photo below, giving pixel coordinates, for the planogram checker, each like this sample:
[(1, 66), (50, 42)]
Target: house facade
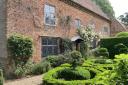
[(48, 21), (117, 27)]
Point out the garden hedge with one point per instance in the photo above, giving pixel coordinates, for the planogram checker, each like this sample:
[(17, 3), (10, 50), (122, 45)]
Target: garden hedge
[(49, 79), (109, 43), (102, 75)]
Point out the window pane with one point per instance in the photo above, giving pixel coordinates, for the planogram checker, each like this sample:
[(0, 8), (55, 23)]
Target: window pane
[(49, 50), (44, 51), (50, 42), (54, 41), (46, 9), (44, 41), (55, 49), (52, 9), (49, 46), (77, 23), (49, 15)]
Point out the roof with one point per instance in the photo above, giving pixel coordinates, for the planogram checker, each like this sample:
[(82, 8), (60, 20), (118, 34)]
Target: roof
[(75, 38), (90, 5)]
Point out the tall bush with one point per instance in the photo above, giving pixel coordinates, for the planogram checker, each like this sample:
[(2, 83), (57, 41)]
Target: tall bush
[(20, 47), (76, 59), (87, 35), (109, 43)]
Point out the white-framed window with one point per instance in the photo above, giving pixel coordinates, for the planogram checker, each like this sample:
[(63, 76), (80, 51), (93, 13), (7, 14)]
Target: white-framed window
[(77, 23), (49, 15)]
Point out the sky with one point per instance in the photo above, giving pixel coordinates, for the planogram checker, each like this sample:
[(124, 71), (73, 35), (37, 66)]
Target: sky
[(119, 6)]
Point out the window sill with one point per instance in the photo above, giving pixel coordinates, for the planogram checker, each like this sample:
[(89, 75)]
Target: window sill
[(50, 25)]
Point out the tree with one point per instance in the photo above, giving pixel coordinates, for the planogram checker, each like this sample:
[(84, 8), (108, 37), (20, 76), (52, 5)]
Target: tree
[(124, 18), (87, 36), (106, 7)]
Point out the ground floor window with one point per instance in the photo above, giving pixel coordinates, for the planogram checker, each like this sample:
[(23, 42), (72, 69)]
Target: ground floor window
[(50, 46)]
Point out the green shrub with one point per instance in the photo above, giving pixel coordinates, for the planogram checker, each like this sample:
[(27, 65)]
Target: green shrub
[(1, 77), (19, 71), (122, 34), (122, 73), (100, 61), (50, 78), (121, 48), (99, 74), (102, 52), (121, 56), (56, 60), (41, 68), (76, 58), (77, 74), (109, 43), (20, 48)]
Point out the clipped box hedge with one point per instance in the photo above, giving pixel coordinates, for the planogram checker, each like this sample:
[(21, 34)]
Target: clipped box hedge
[(109, 43), (49, 78)]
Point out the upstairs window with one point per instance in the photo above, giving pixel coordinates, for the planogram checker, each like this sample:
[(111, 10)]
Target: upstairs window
[(77, 23), (49, 13)]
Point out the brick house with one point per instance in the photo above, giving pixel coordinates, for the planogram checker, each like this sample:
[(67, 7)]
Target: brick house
[(116, 27), (47, 21)]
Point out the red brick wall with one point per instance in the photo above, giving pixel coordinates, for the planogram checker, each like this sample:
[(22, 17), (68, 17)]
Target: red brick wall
[(27, 17), (117, 27)]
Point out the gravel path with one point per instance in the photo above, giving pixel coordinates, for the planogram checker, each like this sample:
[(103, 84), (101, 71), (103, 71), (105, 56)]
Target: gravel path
[(36, 80)]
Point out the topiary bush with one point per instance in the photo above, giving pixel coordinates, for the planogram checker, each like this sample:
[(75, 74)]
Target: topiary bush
[(76, 58), (121, 48), (122, 34), (102, 52), (20, 47)]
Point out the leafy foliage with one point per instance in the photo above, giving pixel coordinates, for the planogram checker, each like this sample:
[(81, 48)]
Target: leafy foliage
[(20, 47), (102, 52), (122, 73), (122, 34), (121, 48), (67, 44), (99, 75), (87, 35), (41, 68), (76, 58), (124, 19), (110, 43), (77, 74), (106, 7), (122, 56)]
